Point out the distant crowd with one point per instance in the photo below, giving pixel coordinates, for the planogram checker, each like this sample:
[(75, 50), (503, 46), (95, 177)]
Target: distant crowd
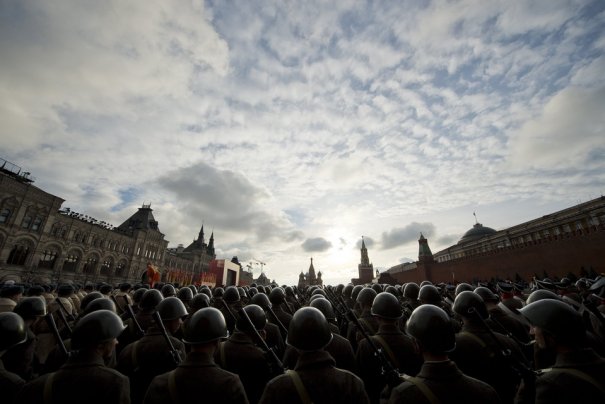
[(537, 342)]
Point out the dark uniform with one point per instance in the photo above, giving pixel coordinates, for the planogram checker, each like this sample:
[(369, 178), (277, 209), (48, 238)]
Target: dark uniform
[(478, 355), (198, 377), (323, 382), (10, 384), (241, 356), (339, 348), (447, 383), (146, 358), (81, 379), (400, 351), (368, 322)]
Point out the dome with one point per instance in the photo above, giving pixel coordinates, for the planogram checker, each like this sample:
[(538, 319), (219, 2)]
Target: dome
[(478, 231)]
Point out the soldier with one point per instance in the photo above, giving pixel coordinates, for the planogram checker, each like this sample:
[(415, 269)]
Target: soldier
[(368, 322), (9, 296), (84, 377), (439, 379), (277, 296), (12, 333), (21, 358), (339, 348), (315, 378), (240, 355), (231, 304), (273, 332), (151, 355), (185, 294), (122, 298), (578, 373), (199, 374), (398, 347), (479, 351)]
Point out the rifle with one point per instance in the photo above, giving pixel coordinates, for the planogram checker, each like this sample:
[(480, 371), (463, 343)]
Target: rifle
[(524, 371), (67, 328), (131, 314), (387, 370), (343, 322), (281, 326), (50, 320), (176, 355), (112, 297), (278, 367), (60, 303)]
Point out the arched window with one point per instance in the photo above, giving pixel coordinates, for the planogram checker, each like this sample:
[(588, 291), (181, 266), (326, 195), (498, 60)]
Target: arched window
[(5, 214), (121, 269), (37, 223), (106, 267), (48, 259), (26, 222), (71, 262), (90, 266), (18, 255)]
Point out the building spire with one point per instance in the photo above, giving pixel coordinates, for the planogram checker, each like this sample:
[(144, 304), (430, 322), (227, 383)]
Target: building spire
[(200, 236), (365, 260)]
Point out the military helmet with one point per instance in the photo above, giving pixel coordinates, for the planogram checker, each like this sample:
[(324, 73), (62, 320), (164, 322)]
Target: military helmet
[(104, 289), (322, 304), (431, 327), (557, 318), (231, 295), (206, 291), (469, 304), (100, 304), (289, 291), (12, 330), (461, 287), (261, 289), (346, 292), (96, 328), (486, 294), (392, 290), (277, 296), (355, 292), (366, 297), (339, 288), (218, 292), (242, 292), (429, 294), (66, 290), (317, 291), (542, 294), (31, 307), (171, 308), (315, 297), (386, 305), (193, 289), (252, 291), (410, 290), (257, 316), (309, 330), (205, 325), (89, 298), (151, 298), (261, 300), (137, 295), (185, 294), (199, 301), (423, 283), (168, 290), (377, 288)]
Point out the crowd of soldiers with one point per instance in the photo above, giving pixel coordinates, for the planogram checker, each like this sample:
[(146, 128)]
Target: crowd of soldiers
[(492, 342)]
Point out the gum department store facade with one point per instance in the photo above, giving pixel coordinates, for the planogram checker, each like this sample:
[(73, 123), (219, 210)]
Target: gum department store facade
[(40, 242)]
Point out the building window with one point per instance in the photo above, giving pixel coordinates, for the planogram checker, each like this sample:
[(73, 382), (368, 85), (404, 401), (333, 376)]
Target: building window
[(26, 222), (579, 225), (566, 228), (89, 266), (37, 223), (5, 214), (121, 269), (48, 259), (18, 255), (71, 263), (106, 267)]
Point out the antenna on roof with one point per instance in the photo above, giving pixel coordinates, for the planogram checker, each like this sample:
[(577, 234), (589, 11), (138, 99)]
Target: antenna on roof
[(476, 221)]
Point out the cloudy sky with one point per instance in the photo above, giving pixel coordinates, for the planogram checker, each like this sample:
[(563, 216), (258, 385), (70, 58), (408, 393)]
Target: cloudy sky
[(293, 128)]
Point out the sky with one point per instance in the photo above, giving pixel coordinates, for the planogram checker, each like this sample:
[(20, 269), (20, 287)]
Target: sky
[(291, 129)]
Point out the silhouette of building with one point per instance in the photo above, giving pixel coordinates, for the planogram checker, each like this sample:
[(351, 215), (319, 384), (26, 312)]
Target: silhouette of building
[(310, 279), (365, 268), (564, 242), (42, 242)]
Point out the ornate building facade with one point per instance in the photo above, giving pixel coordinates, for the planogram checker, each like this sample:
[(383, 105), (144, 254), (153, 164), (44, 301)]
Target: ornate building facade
[(568, 241), (40, 242), (310, 279)]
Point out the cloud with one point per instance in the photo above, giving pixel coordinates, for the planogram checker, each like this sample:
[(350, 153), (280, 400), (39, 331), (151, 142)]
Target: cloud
[(567, 133), (448, 240), (369, 242), (402, 235), (317, 244)]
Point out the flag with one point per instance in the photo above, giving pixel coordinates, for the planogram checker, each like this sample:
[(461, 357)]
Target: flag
[(153, 274)]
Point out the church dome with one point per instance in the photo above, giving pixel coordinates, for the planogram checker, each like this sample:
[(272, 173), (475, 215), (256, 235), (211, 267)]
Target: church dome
[(476, 232)]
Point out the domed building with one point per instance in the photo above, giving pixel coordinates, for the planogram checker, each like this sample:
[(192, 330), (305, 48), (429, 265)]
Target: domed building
[(476, 232)]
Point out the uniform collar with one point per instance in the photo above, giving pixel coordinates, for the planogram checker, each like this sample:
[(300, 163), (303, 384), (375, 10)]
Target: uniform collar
[(440, 370), (314, 359), (580, 357), (80, 358), (239, 337), (389, 329), (198, 359)]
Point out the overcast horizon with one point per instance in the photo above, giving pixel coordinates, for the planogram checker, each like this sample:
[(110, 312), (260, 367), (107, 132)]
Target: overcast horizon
[(291, 130)]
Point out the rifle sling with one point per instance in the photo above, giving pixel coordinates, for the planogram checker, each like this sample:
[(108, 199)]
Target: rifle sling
[(300, 387), (387, 349), (424, 389)]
